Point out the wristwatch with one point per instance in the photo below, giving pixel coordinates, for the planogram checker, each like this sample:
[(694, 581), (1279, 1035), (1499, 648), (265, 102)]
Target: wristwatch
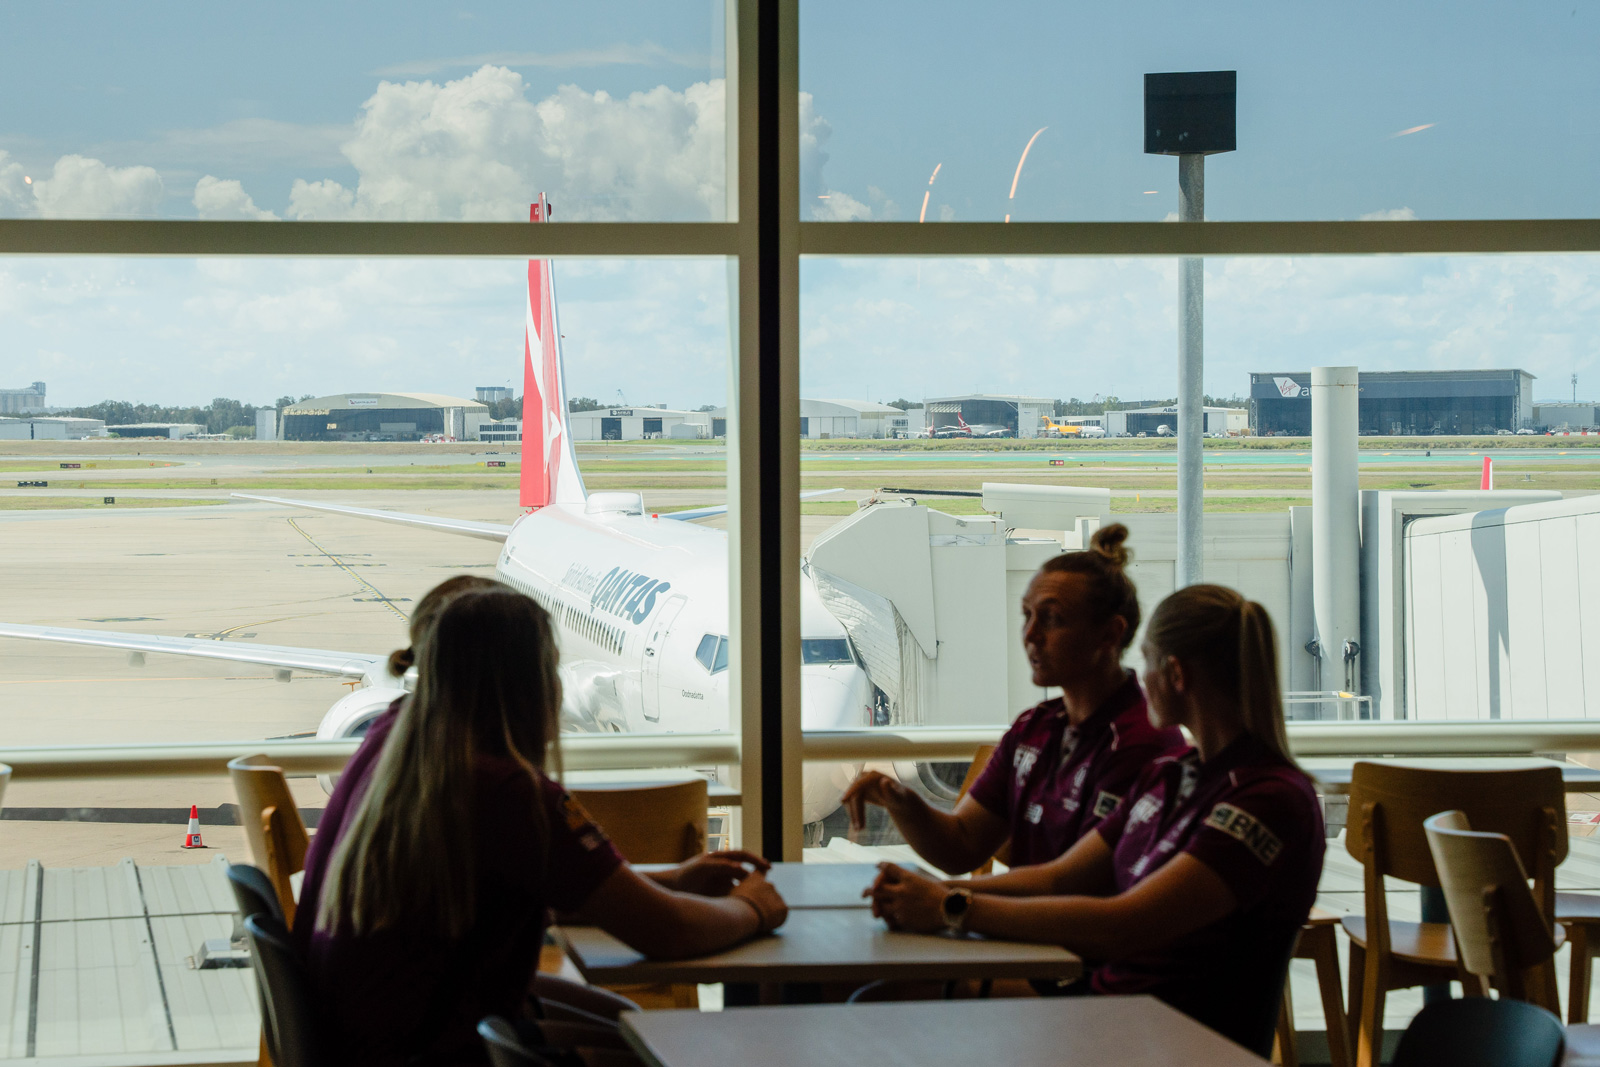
[(954, 909)]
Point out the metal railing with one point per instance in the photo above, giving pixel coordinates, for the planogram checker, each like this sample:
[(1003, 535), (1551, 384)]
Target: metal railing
[(627, 751)]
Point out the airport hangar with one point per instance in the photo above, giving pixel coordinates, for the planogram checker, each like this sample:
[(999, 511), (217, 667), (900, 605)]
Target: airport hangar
[(50, 428), (382, 417), (822, 420), (637, 424), (1402, 403), (1130, 422), (1019, 414)]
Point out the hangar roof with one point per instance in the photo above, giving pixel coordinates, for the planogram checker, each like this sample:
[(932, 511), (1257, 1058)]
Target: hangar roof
[(387, 401)]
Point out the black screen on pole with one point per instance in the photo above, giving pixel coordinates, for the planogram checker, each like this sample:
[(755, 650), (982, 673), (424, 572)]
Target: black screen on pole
[(1190, 113)]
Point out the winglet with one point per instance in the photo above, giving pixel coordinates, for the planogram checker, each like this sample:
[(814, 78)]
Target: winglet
[(549, 465)]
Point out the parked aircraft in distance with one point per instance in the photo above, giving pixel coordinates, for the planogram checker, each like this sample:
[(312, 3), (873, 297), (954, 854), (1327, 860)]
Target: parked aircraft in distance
[(982, 429), (640, 600)]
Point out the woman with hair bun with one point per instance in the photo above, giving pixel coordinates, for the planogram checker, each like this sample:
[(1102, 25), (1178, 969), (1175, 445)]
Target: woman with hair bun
[(1195, 889), (1066, 764)]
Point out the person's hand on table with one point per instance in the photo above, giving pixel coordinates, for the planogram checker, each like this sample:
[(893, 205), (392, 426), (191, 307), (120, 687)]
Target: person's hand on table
[(714, 874), (874, 787), (907, 900), (764, 897)]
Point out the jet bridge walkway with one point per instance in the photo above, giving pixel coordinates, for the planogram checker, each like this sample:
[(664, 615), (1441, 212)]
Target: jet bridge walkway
[(95, 967)]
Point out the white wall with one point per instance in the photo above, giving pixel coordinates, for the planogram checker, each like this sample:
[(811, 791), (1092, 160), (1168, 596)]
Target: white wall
[(1502, 613)]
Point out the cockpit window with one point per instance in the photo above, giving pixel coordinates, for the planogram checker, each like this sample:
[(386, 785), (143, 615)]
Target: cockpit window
[(825, 650), (713, 653)]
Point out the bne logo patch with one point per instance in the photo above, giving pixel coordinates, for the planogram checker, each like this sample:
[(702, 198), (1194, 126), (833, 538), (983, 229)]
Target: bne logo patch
[(1247, 830), (1105, 803), (627, 594)]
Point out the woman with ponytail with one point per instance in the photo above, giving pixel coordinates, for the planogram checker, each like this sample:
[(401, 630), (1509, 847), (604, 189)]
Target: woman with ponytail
[(1066, 764), (1195, 889)]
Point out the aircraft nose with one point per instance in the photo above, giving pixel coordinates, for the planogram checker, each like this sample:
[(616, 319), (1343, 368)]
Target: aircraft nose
[(829, 699)]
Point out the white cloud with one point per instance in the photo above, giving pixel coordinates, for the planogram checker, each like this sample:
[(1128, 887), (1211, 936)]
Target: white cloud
[(215, 198), (835, 206), (478, 148), (80, 188), (1393, 214)]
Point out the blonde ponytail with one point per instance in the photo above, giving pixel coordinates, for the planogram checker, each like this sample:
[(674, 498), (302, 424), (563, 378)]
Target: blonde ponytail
[(1260, 696)]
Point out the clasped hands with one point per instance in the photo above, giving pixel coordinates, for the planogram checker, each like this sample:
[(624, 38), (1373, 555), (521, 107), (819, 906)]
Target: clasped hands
[(907, 900)]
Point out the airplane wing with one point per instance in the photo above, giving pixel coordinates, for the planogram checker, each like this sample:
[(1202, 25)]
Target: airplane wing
[(722, 509), (312, 660), (488, 531)]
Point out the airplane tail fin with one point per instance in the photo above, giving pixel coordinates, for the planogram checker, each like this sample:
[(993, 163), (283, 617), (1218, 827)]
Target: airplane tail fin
[(961, 422), (549, 464)]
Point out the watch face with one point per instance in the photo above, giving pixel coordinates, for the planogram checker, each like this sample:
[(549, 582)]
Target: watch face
[(955, 905)]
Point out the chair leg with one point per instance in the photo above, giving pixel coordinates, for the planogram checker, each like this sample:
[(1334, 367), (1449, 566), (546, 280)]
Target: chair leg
[(1357, 971), (1374, 991), (1578, 986), (1325, 953), (1283, 1044)]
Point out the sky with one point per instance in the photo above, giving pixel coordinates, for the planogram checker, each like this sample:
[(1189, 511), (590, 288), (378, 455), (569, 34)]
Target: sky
[(616, 110)]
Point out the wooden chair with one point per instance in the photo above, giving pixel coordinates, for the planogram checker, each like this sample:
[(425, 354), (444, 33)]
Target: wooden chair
[(1501, 935), (5, 779), (1388, 803), (272, 824), (1579, 916), (652, 824), (1320, 943)]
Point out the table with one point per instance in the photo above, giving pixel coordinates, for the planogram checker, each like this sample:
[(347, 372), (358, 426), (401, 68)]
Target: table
[(811, 885), (1043, 1032), (1333, 775), (823, 944)]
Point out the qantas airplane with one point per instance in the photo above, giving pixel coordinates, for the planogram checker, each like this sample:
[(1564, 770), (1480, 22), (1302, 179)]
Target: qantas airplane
[(982, 429), (640, 602)]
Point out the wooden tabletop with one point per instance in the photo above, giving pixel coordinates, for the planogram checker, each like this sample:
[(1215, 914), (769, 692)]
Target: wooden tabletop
[(823, 945), (811, 885), (1333, 775), (1042, 1032)]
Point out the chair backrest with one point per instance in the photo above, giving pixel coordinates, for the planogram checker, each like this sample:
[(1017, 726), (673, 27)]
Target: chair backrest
[(505, 1046), (260, 785), (253, 891), (1388, 803), (282, 838), (1479, 1032), (5, 779), (1498, 926), (980, 760), (653, 823), (289, 1019)]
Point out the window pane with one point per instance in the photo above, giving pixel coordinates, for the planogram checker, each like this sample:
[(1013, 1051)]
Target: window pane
[(1350, 111), (377, 369), (971, 396), (363, 111)]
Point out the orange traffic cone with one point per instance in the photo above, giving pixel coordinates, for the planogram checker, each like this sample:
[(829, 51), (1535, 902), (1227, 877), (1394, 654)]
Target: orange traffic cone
[(192, 838)]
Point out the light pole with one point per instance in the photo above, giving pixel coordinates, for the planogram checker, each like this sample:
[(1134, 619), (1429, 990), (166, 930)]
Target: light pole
[(1191, 116)]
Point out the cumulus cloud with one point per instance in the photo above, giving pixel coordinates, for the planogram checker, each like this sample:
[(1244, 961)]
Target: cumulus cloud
[(215, 198), (834, 206), (477, 148), (1393, 214), (83, 188), (79, 188)]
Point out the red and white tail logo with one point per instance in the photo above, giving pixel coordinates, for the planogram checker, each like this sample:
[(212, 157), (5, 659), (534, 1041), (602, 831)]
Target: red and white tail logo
[(549, 465), (961, 422)]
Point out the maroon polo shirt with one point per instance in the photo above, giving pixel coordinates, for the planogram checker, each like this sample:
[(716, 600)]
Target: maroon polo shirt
[(404, 996), (1053, 782), (1254, 820)]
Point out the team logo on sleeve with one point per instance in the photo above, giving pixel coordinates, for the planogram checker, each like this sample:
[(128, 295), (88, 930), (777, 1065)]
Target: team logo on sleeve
[(1023, 760), (1148, 807), (1105, 803), (1247, 830)]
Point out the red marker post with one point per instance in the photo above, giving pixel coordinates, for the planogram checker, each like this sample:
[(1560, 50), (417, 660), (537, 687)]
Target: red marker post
[(1488, 474)]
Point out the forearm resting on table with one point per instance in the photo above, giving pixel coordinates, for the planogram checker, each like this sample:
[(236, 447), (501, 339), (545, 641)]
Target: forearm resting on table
[(1178, 899), (1085, 868), (664, 924)]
